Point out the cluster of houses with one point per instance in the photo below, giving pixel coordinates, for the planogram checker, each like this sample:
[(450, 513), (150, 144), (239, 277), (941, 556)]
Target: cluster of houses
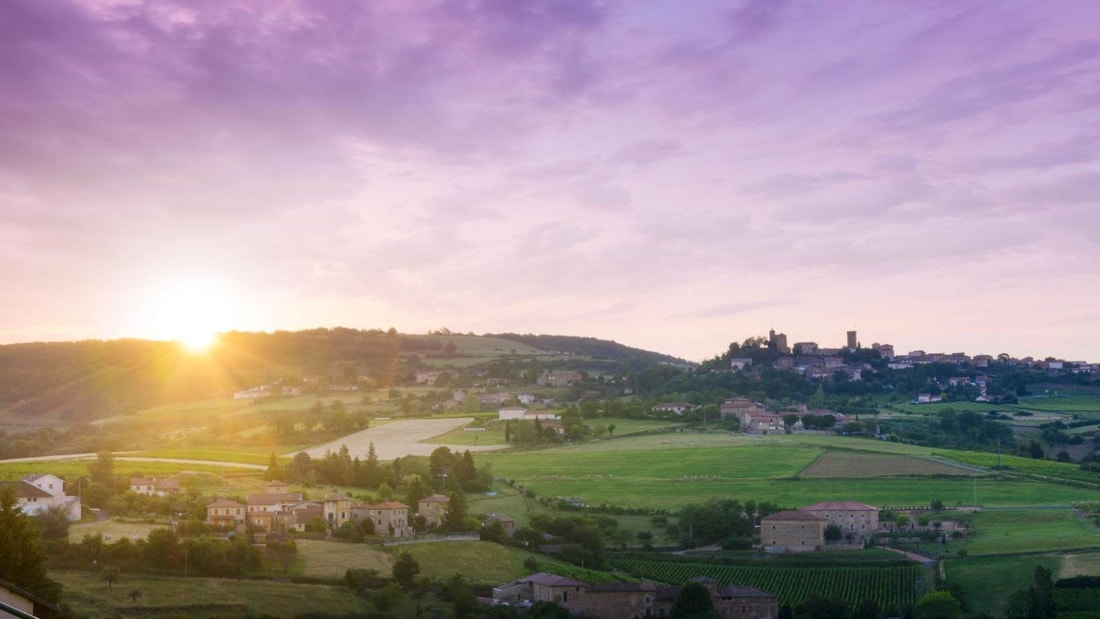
[(753, 416), (277, 510), (41, 492), (631, 600)]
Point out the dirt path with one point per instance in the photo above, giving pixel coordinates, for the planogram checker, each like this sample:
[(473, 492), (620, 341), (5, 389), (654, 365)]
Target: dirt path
[(399, 438)]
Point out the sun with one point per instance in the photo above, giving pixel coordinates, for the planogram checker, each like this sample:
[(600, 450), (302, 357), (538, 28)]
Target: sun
[(190, 312)]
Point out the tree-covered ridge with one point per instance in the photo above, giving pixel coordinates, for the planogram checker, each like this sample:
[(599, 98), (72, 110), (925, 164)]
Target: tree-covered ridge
[(593, 347), (82, 381)]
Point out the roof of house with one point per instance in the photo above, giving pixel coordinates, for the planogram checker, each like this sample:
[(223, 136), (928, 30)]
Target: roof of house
[(390, 505), (271, 498), (500, 517), (551, 580), (741, 591), (789, 515), (142, 481), (436, 498), (622, 587), (225, 503), (26, 490), (33, 477), (834, 506)]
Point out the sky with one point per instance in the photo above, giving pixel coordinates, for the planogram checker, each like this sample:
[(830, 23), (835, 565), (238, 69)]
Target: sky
[(671, 175)]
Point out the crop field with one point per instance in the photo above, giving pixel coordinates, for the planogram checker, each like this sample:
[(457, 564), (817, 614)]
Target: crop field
[(486, 563), (856, 464), (112, 530), (890, 587), (1080, 564), (324, 559), (89, 595), (242, 457), (1031, 530)]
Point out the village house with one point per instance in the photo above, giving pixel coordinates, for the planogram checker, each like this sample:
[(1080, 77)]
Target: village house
[(856, 519), (631, 600), (227, 514), (272, 511), (740, 363), (507, 522), (151, 486), (40, 492), (511, 412), (792, 531), (25, 602), (433, 509), (804, 530), (337, 510), (675, 407), (390, 518), (735, 406)]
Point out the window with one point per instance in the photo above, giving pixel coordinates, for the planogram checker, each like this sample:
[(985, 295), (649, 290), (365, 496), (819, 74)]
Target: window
[(564, 597)]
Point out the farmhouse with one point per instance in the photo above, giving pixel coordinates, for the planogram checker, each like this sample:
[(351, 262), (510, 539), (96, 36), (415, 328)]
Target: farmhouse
[(42, 492), (151, 486), (792, 531), (853, 518), (804, 530), (390, 518), (433, 509), (735, 406), (631, 600), (675, 407)]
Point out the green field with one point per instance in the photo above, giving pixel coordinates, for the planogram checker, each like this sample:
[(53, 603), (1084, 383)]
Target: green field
[(989, 581), (89, 595), (1034, 530), (485, 562), (1086, 406), (71, 469), (1028, 466), (668, 471)]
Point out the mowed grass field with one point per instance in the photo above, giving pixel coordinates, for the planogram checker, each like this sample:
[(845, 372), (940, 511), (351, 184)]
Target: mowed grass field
[(89, 595), (112, 530)]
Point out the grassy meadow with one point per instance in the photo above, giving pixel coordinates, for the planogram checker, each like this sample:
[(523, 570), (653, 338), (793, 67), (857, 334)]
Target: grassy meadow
[(89, 595)]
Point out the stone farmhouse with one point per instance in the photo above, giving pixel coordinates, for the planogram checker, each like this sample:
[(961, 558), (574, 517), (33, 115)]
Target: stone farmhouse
[(433, 508), (41, 492), (631, 600), (804, 530)]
